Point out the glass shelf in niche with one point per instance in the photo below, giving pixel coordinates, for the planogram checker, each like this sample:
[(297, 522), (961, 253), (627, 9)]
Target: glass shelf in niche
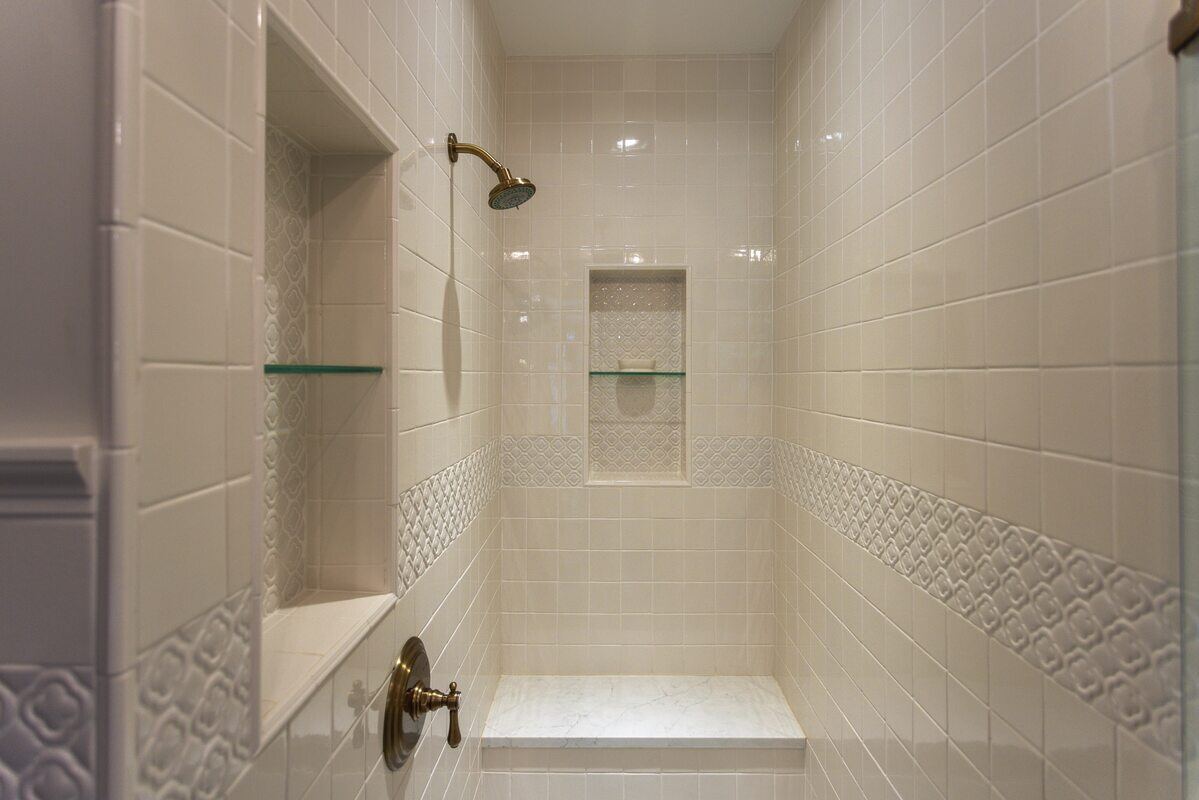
[(636, 373), (320, 369)]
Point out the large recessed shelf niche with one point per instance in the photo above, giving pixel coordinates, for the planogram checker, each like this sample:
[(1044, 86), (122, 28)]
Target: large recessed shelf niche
[(637, 395), (326, 567)]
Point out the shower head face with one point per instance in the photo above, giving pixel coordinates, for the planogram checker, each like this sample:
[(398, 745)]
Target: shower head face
[(511, 193)]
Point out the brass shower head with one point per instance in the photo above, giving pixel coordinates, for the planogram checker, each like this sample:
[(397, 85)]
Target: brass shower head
[(510, 192)]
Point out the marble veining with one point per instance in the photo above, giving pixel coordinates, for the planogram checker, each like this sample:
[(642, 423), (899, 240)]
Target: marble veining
[(682, 711), (303, 643)]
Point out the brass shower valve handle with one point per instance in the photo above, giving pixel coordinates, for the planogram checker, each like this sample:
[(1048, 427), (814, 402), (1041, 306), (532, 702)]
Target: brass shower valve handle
[(421, 700), (409, 701)]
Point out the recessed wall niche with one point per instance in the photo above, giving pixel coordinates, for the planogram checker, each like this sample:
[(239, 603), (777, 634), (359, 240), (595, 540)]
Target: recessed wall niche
[(326, 567), (637, 385)]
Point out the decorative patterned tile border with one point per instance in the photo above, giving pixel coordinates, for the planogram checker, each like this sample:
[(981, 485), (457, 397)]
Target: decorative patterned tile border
[(47, 717), (195, 713), (637, 422), (436, 511), (732, 461), (558, 461), (542, 461), (1108, 633)]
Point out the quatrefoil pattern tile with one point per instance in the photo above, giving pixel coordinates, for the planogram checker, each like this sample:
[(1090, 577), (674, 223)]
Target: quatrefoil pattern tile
[(436, 511), (636, 447), (286, 254), (636, 398), (195, 716), (47, 718), (284, 490), (636, 424), (637, 317), (286, 401), (1106, 632), (732, 461), (542, 461)]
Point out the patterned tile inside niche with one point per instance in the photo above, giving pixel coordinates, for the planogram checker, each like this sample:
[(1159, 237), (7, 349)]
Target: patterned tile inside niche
[(286, 408), (625, 447), (637, 423), (47, 721), (1108, 633), (195, 716), (635, 316), (643, 399)]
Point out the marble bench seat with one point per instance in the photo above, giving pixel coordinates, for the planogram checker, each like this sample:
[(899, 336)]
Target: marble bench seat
[(639, 711)]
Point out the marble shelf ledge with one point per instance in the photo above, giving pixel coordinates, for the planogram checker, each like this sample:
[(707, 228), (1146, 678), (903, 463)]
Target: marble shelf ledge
[(641, 711), (303, 643), (637, 479)]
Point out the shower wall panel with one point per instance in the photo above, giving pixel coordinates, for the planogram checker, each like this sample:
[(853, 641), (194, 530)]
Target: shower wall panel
[(640, 163), (185, 244), (974, 418)]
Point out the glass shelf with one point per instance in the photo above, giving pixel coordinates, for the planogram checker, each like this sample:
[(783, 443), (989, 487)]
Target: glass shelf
[(319, 369), (638, 373)]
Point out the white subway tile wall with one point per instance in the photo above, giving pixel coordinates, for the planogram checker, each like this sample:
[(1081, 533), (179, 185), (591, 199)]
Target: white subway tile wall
[(187, 94), (182, 613), (974, 298), (639, 162), (608, 580)]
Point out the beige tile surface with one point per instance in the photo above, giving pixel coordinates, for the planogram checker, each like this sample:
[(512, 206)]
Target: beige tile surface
[(416, 72), (967, 299), (178, 36), (184, 173), (181, 561)]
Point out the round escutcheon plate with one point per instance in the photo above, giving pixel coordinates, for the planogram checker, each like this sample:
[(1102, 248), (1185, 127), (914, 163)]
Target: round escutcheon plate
[(401, 730)]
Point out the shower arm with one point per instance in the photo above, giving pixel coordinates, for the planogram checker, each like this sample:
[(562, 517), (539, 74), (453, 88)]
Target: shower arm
[(455, 147)]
